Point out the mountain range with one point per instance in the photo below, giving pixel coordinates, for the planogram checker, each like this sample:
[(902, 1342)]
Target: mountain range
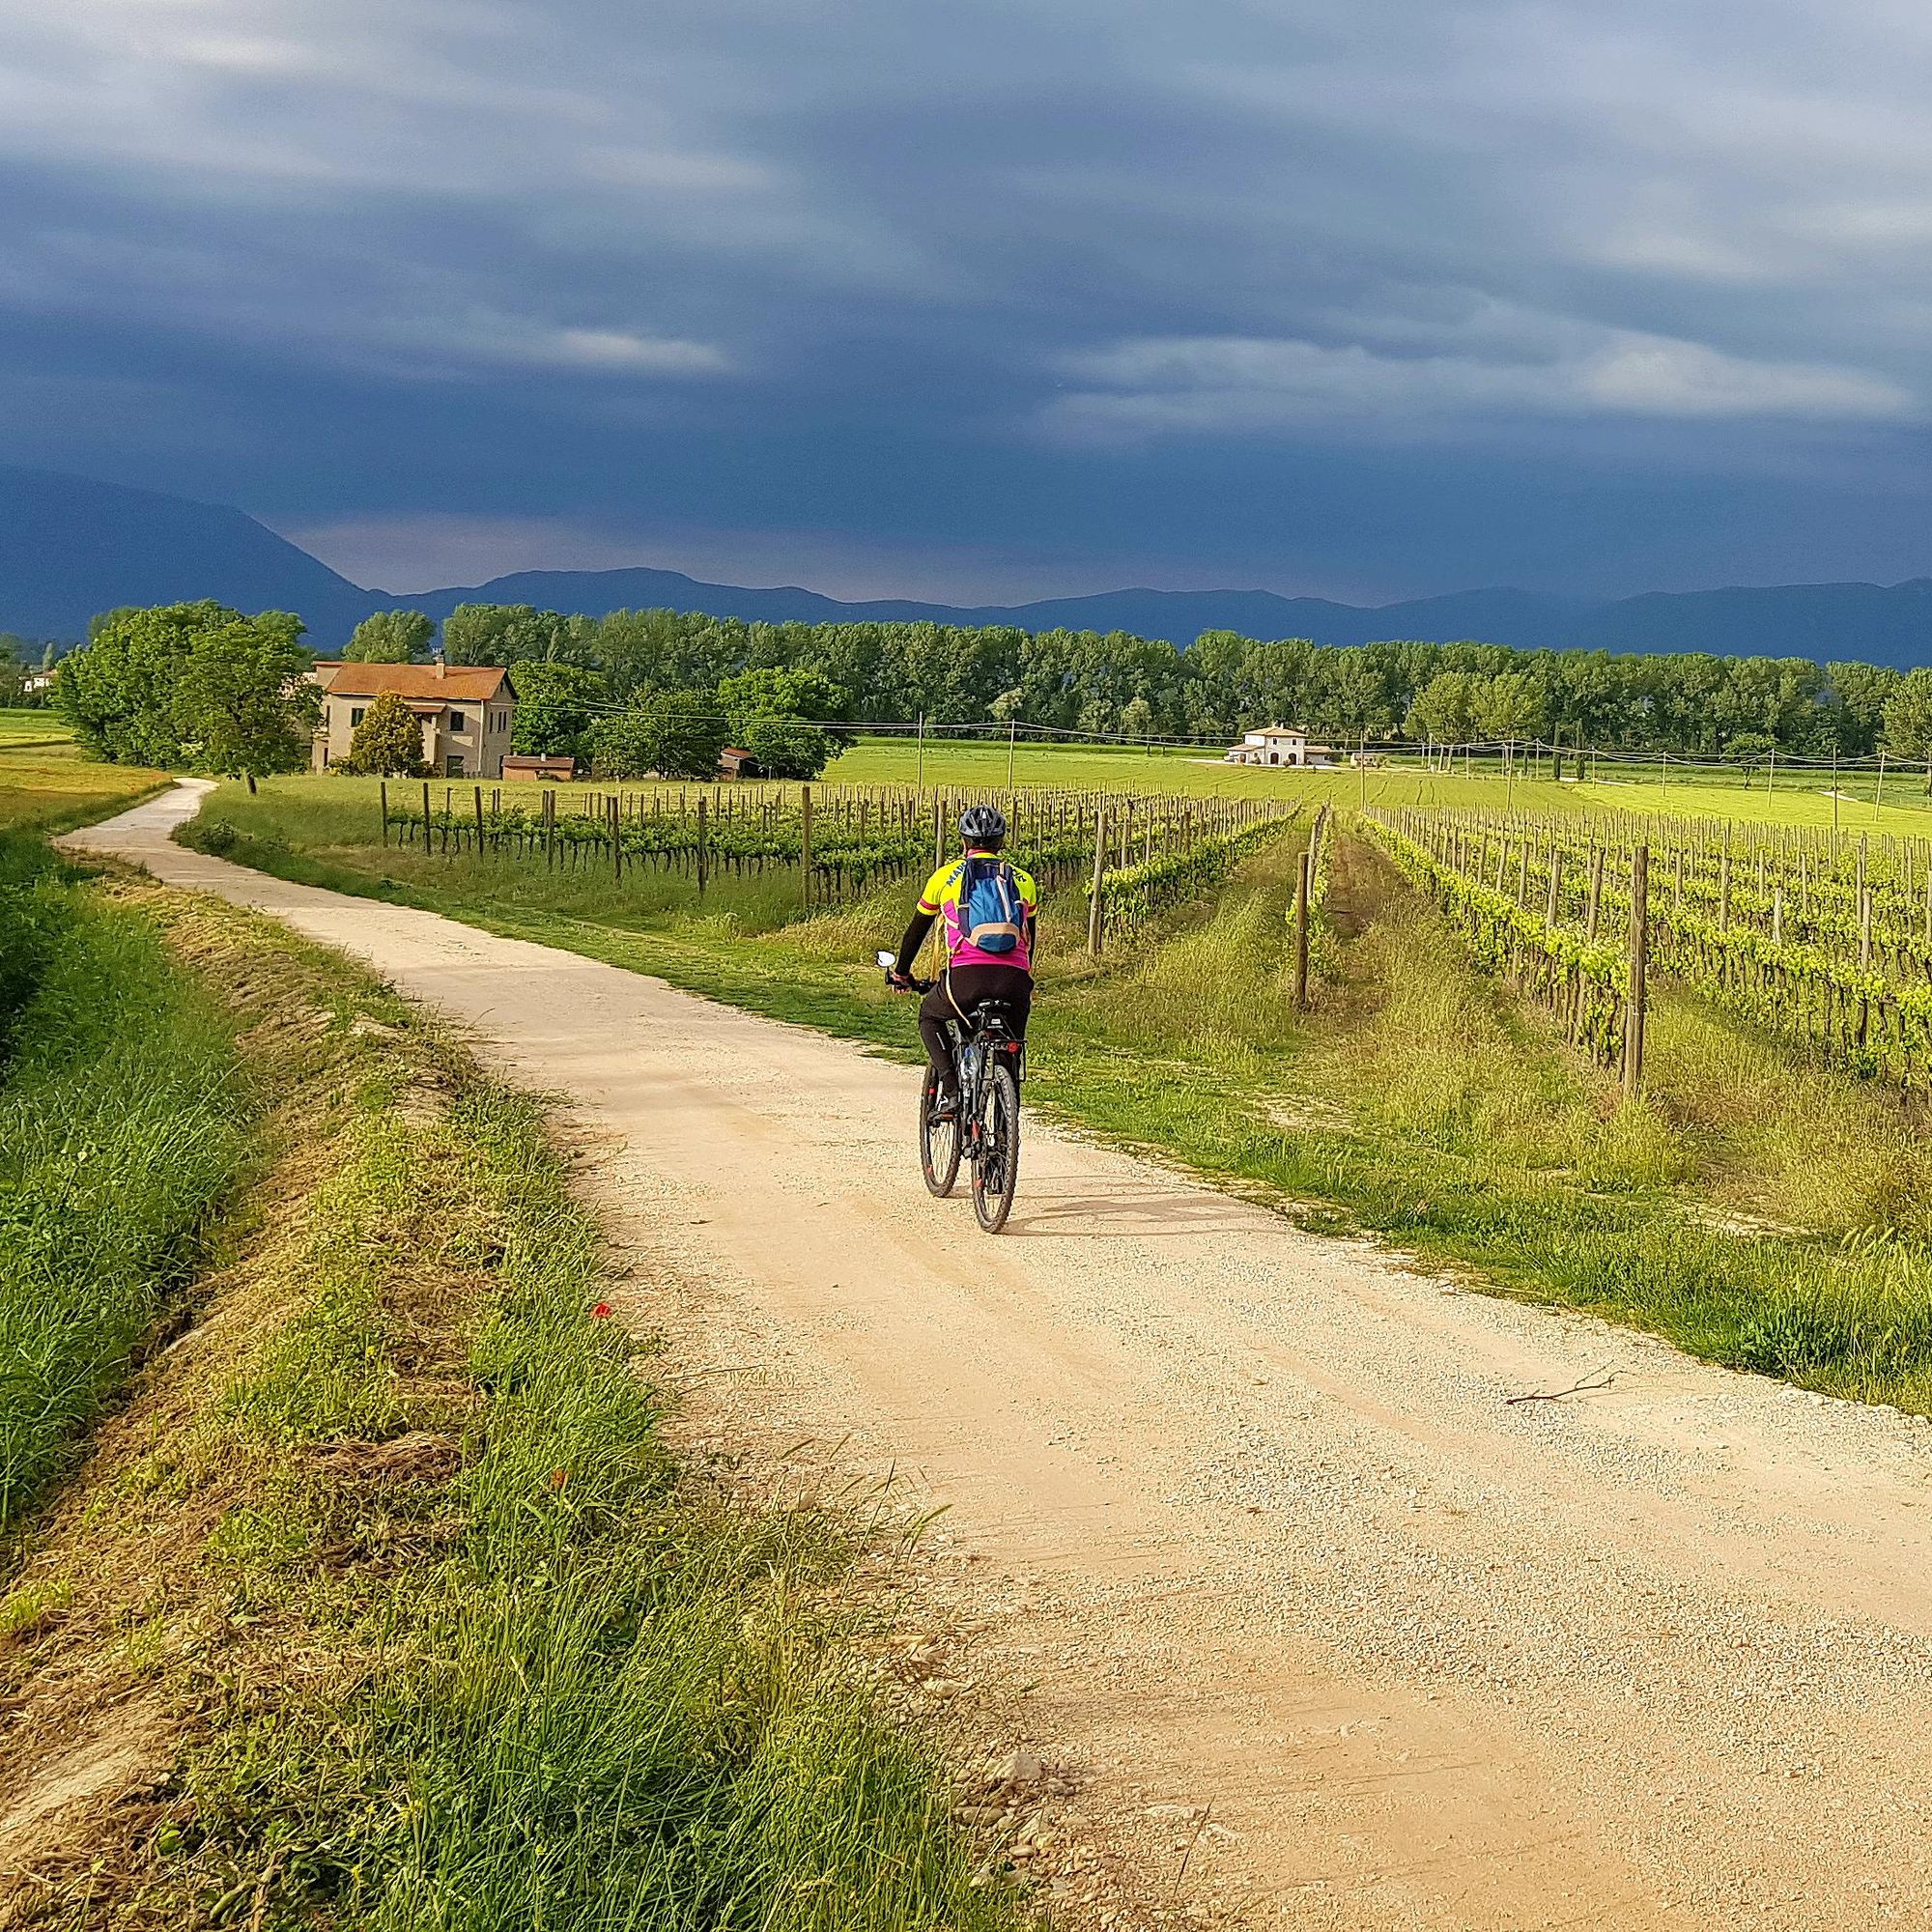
[(71, 547)]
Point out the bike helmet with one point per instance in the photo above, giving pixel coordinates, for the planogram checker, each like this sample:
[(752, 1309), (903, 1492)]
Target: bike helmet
[(982, 825)]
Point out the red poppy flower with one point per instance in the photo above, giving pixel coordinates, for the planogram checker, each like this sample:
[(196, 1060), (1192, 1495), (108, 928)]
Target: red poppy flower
[(602, 1312)]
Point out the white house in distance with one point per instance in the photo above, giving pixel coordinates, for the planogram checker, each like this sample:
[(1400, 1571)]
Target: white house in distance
[(1279, 745), (466, 712)]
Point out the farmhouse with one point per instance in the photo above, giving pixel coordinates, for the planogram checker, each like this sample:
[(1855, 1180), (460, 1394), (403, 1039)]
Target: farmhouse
[(1279, 745), (466, 711)]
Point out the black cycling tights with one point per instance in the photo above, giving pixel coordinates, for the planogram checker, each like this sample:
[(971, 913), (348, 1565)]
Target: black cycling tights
[(960, 988)]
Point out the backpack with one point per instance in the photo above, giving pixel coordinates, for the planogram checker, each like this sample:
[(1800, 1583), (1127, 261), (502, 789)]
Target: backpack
[(990, 912)]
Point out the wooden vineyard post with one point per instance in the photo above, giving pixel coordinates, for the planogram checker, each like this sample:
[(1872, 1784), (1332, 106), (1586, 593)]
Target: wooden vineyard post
[(1864, 928), (703, 849), (1303, 873), (550, 826), (1639, 962), (480, 821), (385, 810), (805, 841), (1095, 915), (426, 818), (617, 836), (1555, 887), (938, 831)]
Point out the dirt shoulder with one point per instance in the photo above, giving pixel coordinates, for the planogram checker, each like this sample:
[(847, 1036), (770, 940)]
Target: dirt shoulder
[(1238, 1524)]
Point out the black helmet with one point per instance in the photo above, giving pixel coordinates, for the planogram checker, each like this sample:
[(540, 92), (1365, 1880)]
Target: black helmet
[(982, 825)]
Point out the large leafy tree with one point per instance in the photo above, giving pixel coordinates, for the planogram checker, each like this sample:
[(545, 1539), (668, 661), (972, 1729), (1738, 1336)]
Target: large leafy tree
[(1444, 710), (243, 702), (774, 715), (555, 706), (1908, 719), (118, 689), (389, 637), (677, 735), (388, 743)]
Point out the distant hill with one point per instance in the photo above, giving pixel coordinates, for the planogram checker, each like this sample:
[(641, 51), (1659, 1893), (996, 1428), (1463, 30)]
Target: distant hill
[(69, 548)]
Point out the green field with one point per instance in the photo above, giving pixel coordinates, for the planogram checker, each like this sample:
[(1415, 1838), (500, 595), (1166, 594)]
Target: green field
[(23, 728), (49, 787)]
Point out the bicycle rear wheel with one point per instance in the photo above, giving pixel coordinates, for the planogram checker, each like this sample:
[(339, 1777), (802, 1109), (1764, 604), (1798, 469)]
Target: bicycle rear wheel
[(996, 1172), (938, 1140)]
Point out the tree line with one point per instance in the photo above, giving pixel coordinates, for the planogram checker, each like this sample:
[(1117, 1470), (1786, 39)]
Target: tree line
[(1693, 705), (637, 691)]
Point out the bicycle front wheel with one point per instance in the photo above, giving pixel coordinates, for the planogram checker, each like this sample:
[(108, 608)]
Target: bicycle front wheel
[(938, 1140), (996, 1172)]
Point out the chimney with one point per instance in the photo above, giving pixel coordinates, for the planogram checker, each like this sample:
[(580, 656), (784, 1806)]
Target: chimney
[(440, 670)]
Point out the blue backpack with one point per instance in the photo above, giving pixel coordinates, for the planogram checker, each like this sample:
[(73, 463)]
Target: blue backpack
[(990, 912)]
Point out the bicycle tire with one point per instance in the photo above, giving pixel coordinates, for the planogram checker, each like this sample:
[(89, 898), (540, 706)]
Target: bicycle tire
[(996, 1171), (938, 1141)]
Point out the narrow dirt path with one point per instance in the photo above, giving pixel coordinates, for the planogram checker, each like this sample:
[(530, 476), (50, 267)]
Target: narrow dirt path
[(1246, 1509)]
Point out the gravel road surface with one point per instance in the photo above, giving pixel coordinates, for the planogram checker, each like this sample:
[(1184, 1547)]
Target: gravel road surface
[(1249, 1540)]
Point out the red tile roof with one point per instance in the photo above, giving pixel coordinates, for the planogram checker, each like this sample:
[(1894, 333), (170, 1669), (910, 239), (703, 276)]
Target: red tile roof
[(472, 684)]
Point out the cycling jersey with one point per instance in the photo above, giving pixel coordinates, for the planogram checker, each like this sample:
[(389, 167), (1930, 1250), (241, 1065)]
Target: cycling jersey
[(941, 897)]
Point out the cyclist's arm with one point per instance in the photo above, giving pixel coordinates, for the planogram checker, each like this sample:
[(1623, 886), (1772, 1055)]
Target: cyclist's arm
[(915, 938)]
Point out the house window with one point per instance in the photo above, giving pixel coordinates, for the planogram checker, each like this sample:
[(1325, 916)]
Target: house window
[(502, 721), (457, 722), (354, 716), (452, 765)]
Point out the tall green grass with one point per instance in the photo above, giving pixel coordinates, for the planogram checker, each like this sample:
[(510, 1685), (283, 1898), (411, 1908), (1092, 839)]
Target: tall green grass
[(122, 1121)]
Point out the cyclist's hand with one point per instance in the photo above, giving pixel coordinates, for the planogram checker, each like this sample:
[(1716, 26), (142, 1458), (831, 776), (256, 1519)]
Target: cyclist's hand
[(900, 982)]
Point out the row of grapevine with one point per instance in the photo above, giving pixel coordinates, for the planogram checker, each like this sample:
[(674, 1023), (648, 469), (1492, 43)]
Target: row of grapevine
[(1576, 970), (842, 839), (1815, 936), (1131, 896)]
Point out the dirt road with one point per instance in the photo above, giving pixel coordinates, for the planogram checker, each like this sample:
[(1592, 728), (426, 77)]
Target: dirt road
[(1248, 1508)]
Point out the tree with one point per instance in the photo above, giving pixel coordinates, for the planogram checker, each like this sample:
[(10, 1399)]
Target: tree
[(788, 748), (1752, 751), (14, 660), (388, 743), (1860, 693), (389, 637), (773, 715), (1510, 705), (514, 634), (770, 692), (243, 702), (1908, 719), (1443, 712), (674, 733), (118, 689), (555, 704)]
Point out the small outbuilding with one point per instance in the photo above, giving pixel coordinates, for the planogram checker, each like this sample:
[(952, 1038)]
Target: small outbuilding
[(733, 763), (550, 766)]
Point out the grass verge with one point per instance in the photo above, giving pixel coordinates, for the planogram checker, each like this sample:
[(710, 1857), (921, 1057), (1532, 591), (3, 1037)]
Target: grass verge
[(124, 1119), (383, 1603)]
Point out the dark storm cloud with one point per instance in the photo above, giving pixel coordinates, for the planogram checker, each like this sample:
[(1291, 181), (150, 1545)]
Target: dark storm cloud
[(1360, 297)]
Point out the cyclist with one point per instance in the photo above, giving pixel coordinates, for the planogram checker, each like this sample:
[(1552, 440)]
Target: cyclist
[(990, 909)]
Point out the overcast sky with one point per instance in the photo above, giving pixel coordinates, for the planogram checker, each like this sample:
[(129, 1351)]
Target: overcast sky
[(1367, 298)]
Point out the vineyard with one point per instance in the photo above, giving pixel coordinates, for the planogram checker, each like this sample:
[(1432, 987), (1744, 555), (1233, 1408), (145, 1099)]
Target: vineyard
[(1816, 936), (1136, 855)]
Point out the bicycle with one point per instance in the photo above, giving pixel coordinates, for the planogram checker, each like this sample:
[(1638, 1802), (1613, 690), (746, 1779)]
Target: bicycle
[(987, 1063)]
